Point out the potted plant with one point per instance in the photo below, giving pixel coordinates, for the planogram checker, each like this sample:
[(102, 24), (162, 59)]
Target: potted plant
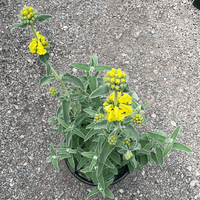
[(196, 3), (98, 117)]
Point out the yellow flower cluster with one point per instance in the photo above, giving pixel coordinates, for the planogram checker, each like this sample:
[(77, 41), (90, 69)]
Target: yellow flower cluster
[(128, 155), (28, 15), (116, 79), (40, 46), (98, 117), (137, 119), (112, 140), (126, 141), (53, 91), (119, 112)]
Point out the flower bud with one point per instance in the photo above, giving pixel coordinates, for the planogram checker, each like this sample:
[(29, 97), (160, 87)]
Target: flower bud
[(112, 140), (98, 117), (138, 119), (28, 13), (53, 91), (128, 155)]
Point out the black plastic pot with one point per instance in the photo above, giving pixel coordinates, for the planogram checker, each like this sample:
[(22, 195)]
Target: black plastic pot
[(196, 4), (122, 173)]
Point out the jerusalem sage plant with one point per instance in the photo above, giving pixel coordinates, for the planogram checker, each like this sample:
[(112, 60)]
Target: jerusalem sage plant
[(99, 130)]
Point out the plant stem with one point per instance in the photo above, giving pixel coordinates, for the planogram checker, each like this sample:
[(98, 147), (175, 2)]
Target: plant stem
[(57, 77), (34, 33), (115, 98)]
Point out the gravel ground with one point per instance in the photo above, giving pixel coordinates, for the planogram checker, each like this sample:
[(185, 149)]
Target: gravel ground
[(155, 42)]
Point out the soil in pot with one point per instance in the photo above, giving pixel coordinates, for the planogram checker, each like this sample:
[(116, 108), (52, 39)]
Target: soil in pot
[(196, 4)]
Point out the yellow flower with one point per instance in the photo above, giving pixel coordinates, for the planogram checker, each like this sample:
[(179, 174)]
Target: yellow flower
[(123, 80), (24, 9), (117, 81), (119, 70), (25, 17), (125, 98), (29, 16), (113, 70), (33, 45), (112, 140), (126, 141), (138, 119), (40, 49), (27, 7), (127, 110), (117, 87), (128, 155), (112, 80), (98, 117), (31, 13), (53, 91), (108, 79), (30, 9)]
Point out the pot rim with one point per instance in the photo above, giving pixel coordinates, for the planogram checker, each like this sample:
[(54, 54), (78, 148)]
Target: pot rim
[(84, 180)]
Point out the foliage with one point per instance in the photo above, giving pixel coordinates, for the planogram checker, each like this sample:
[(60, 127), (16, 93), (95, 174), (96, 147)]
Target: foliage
[(100, 130)]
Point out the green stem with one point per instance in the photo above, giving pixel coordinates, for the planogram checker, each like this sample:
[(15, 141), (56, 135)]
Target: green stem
[(115, 98), (57, 77), (34, 33)]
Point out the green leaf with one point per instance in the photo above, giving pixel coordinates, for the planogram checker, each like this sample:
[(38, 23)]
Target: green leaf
[(47, 79), (139, 168), (109, 164), (80, 119), (18, 25), (107, 149), (71, 162), (90, 134), (101, 180), (72, 79), (66, 109), (134, 95), (115, 157), (101, 125), (78, 132), (108, 182), (82, 162), (93, 83), (92, 164), (181, 147), (153, 156), (100, 81), (109, 193), (143, 160), (44, 59), (62, 156), (85, 169), (52, 150), (43, 17), (131, 168), (90, 125), (94, 191), (99, 91), (132, 132), (88, 154), (59, 130), (100, 168), (102, 68), (63, 123), (90, 112), (84, 67), (148, 146), (143, 151), (93, 61), (175, 133), (159, 156), (23, 3), (168, 148), (49, 159), (55, 164), (157, 137)]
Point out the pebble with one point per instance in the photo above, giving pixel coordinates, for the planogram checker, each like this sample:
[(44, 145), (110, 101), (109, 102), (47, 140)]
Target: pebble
[(153, 115), (121, 191), (193, 183), (12, 182), (189, 168), (74, 70), (173, 123)]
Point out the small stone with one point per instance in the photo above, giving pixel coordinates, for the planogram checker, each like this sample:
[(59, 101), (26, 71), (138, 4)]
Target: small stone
[(143, 173), (65, 27), (74, 70), (121, 191), (173, 123), (89, 190), (116, 198), (153, 115), (189, 168), (22, 136), (193, 183), (11, 182), (197, 173)]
